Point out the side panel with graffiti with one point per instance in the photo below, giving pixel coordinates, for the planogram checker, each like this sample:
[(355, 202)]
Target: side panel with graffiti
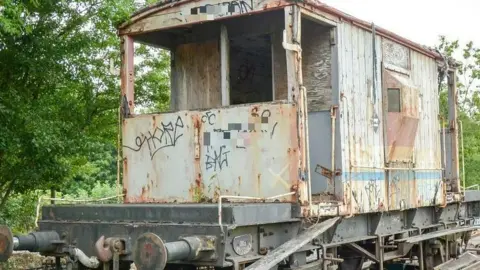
[(197, 156)]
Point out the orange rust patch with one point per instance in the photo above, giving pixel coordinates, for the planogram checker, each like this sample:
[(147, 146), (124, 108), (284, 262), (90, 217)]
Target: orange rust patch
[(305, 213), (259, 183), (144, 196), (381, 206), (254, 112), (125, 166), (197, 123), (198, 180)]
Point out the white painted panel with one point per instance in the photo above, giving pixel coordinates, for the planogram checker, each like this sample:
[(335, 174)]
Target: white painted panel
[(427, 145), (362, 120), (196, 156)]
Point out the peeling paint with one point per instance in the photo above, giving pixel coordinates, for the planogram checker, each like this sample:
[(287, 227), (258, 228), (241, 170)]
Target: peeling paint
[(189, 156)]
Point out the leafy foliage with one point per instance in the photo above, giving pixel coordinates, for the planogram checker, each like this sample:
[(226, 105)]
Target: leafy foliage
[(58, 100), (468, 82)]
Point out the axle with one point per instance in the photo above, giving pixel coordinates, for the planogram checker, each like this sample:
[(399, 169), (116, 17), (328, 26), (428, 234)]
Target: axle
[(43, 242), (150, 252)]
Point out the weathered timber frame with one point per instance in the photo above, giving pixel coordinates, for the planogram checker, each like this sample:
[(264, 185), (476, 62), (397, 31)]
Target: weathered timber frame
[(127, 75)]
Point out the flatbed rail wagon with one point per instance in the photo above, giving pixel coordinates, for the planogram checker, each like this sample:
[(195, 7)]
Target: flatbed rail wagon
[(298, 137)]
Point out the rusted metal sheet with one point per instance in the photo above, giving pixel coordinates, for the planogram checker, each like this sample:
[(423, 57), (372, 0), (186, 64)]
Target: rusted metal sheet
[(402, 124), (190, 12), (197, 156)]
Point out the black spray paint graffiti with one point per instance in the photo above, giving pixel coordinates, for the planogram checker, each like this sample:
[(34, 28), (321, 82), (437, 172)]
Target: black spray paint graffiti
[(209, 118), (216, 160), (231, 7), (166, 135), (394, 186), (373, 193)]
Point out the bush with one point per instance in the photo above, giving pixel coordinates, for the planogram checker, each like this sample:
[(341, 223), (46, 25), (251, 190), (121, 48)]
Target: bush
[(20, 211)]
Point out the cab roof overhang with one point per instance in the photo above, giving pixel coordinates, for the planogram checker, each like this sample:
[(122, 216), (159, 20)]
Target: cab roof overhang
[(311, 5)]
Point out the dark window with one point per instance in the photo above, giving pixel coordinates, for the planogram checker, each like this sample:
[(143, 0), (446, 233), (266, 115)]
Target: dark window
[(394, 104), (250, 69)]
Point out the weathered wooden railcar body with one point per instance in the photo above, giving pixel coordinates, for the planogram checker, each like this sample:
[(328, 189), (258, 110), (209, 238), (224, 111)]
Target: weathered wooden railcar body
[(367, 139), (293, 127)]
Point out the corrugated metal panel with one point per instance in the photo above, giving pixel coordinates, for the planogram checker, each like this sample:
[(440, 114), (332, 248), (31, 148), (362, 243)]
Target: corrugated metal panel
[(196, 156), (361, 116), (427, 144)]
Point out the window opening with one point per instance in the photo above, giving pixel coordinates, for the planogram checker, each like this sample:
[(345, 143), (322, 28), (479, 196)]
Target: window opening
[(251, 69), (394, 104)]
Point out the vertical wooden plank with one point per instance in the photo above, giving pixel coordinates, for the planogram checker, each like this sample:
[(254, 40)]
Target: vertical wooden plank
[(279, 66), (225, 65), (127, 72), (197, 74), (379, 104), (173, 83)]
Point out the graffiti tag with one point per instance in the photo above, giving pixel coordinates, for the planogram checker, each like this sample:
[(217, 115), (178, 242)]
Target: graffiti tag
[(166, 135), (217, 160)]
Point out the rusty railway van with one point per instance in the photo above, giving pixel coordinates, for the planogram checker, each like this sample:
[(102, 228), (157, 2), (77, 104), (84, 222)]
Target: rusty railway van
[(298, 137)]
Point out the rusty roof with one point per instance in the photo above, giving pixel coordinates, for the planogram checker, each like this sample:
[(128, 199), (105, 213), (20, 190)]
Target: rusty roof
[(316, 4)]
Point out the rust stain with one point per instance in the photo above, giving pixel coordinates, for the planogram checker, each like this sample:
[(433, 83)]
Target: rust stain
[(125, 166), (305, 212), (197, 123), (216, 194), (254, 111), (197, 190), (154, 122), (145, 193), (259, 184), (381, 206)]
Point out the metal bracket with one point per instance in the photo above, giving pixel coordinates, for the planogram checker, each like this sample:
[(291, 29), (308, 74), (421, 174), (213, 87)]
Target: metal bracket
[(288, 46), (108, 249), (327, 172)]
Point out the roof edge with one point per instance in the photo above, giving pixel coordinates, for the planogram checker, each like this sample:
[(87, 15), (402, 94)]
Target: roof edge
[(148, 10), (379, 30)]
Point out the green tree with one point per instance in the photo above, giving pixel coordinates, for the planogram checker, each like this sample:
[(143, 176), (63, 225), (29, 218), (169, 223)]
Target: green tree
[(468, 82), (58, 100)]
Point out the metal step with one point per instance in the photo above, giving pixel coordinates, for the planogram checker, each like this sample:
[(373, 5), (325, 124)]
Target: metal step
[(465, 261), (279, 254)]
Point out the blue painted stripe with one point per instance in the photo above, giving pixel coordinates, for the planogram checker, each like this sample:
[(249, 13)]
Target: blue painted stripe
[(402, 174)]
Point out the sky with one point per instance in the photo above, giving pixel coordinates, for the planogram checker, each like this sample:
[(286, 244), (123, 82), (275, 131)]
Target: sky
[(421, 21)]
